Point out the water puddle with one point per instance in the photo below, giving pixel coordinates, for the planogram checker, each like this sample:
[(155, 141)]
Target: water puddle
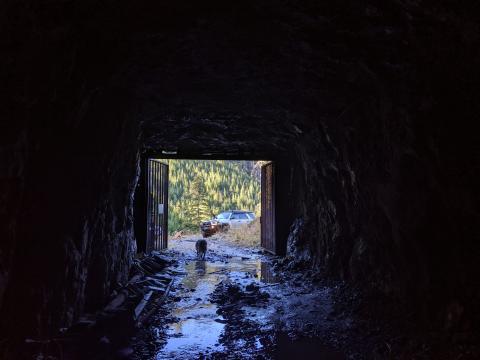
[(197, 327)]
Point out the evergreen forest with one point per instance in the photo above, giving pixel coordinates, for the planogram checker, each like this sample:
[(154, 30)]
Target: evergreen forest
[(200, 189)]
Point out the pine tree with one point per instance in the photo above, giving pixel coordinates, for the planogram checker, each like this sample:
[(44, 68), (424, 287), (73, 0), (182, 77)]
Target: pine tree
[(199, 208), (199, 189)]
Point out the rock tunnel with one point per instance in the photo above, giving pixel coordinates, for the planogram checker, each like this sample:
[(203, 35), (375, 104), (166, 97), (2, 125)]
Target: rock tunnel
[(366, 107)]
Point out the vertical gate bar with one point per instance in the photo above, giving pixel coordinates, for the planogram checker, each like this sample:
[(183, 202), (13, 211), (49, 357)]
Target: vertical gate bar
[(157, 176), (159, 194), (160, 183), (262, 220), (154, 216), (152, 208), (152, 230), (154, 205), (268, 199), (165, 208), (164, 175), (262, 210), (270, 223), (154, 202), (267, 205), (149, 201), (272, 247), (160, 201), (272, 189), (160, 216), (147, 189), (268, 208)]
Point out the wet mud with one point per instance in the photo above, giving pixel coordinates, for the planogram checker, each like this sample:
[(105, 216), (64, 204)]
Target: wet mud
[(241, 303), (234, 305)]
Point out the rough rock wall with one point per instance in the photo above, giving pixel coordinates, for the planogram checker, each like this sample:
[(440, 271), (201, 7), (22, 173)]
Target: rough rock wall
[(71, 240), (69, 154), (374, 98), (378, 102), (389, 193)]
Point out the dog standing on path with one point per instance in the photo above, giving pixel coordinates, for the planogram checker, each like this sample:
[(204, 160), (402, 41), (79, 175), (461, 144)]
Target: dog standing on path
[(201, 247)]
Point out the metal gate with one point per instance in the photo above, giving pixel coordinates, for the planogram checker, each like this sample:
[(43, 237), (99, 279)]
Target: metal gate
[(268, 208), (157, 205)]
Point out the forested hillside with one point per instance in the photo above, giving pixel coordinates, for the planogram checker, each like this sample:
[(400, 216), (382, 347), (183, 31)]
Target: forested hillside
[(199, 189)]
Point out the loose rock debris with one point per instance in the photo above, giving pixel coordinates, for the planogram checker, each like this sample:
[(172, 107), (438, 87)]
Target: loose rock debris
[(232, 295)]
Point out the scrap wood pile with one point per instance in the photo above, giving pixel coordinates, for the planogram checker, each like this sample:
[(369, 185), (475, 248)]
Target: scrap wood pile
[(152, 280), (130, 305), (149, 284)]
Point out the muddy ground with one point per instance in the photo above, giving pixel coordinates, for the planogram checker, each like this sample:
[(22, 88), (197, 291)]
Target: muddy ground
[(234, 305), (242, 303)]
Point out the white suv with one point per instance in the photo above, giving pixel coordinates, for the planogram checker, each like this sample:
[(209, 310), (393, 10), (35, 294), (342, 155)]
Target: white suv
[(226, 220), (235, 218)]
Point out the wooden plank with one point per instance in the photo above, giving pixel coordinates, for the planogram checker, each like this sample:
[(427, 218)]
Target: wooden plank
[(141, 305)]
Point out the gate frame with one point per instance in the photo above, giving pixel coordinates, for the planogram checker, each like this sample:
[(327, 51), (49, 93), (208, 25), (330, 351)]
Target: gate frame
[(281, 227), (161, 170), (266, 238)]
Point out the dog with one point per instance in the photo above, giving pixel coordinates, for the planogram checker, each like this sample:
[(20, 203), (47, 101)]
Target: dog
[(201, 247)]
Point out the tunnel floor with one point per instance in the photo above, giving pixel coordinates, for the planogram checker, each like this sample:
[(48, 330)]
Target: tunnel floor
[(232, 305), (242, 303)]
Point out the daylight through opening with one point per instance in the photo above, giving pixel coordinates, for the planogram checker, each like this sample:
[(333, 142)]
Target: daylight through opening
[(224, 201)]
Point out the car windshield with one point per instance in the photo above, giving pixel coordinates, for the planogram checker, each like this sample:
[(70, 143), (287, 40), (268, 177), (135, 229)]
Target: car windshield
[(251, 215), (224, 215)]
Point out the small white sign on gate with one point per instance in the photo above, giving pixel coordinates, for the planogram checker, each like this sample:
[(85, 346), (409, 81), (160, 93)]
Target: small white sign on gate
[(160, 208)]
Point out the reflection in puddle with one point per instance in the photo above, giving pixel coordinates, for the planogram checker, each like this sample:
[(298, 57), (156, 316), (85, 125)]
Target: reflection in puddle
[(193, 334), (198, 327), (266, 273), (261, 270)]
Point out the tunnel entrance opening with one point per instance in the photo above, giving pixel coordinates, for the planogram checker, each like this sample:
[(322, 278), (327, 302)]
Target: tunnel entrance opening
[(231, 204), (230, 200)]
